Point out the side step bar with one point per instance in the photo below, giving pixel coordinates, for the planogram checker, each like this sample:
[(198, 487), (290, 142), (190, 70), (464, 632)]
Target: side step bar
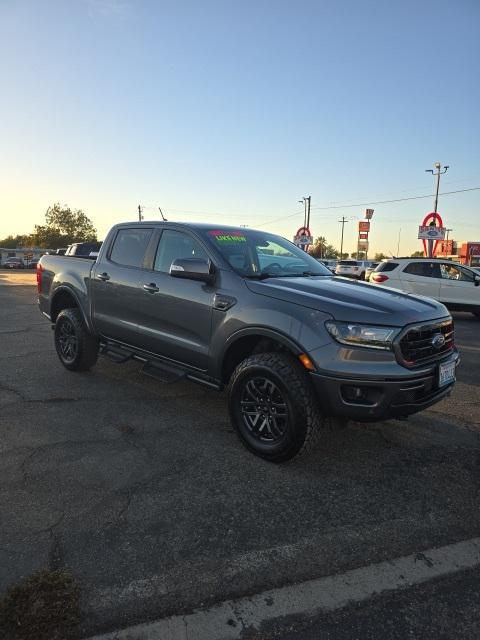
[(116, 355), (164, 373)]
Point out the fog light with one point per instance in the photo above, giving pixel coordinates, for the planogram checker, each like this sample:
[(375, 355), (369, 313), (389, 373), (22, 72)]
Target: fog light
[(353, 394)]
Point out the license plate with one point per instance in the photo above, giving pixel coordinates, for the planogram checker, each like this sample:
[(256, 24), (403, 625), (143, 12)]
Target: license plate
[(446, 373)]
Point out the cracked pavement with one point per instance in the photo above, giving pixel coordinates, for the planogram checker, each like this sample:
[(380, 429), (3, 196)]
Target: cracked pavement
[(144, 492)]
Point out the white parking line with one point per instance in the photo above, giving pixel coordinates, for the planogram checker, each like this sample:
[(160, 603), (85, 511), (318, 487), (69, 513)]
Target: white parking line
[(464, 347), (230, 619)]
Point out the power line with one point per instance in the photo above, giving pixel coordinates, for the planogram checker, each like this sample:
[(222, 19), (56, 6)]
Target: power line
[(366, 204)]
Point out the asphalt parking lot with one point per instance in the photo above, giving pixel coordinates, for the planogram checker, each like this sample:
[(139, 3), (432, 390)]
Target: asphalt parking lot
[(144, 492)]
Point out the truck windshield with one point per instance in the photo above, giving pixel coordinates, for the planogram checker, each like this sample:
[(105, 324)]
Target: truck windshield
[(256, 254)]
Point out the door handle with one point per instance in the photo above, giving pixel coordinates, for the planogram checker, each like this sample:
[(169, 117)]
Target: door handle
[(151, 288), (103, 277)]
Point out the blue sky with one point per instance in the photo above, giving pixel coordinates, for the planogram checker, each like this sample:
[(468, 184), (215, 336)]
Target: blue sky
[(232, 111)]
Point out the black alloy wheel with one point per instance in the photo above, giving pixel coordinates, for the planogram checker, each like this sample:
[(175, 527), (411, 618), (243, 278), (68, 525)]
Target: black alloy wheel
[(264, 409), (272, 406), (67, 341), (76, 347)]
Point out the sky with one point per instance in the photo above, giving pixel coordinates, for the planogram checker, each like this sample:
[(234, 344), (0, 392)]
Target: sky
[(230, 112)]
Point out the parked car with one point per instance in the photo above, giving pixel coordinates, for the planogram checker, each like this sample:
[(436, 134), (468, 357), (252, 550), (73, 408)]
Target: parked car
[(330, 264), (32, 264), (83, 249), (353, 268), (369, 270), (247, 310), (13, 263), (454, 285)]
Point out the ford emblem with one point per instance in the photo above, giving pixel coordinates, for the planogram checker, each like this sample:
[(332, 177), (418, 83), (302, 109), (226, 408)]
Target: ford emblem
[(438, 341)]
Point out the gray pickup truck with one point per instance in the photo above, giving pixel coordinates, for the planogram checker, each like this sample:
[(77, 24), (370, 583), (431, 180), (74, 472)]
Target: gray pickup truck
[(247, 310)]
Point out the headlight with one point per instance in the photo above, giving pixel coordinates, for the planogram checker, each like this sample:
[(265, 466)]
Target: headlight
[(362, 335)]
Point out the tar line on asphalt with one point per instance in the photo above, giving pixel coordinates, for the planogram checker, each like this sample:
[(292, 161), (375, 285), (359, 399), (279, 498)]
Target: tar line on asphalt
[(230, 619)]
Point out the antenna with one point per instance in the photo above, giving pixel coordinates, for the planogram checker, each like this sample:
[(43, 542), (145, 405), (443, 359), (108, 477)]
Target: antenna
[(161, 213)]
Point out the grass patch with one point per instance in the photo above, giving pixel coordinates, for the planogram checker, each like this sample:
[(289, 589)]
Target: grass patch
[(43, 606)]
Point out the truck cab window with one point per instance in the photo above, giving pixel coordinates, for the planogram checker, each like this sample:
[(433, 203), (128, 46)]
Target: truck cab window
[(173, 245), (129, 247)]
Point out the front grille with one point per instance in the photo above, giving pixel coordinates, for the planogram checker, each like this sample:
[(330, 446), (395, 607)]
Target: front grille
[(417, 345)]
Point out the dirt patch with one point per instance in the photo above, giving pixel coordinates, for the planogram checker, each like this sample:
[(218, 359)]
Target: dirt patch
[(43, 606)]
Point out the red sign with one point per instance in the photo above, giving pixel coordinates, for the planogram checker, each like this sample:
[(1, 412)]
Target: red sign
[(303, 238), (431, 219), (363, 236), (364, 225)]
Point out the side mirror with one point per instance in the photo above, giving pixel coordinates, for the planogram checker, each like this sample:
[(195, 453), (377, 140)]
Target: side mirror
[(476, 279), (192, 269)]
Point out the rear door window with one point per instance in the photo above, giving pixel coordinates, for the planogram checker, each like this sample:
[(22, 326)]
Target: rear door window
[(423, 269), (129, 247)]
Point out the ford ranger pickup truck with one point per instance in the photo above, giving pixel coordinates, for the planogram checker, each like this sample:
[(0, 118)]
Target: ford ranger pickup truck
[(246, 310)]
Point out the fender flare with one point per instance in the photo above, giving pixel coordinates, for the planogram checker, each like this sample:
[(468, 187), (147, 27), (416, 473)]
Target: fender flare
[(66, 289), (266, 332)]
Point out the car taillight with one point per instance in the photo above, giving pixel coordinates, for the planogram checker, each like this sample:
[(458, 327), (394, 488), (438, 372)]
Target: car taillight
[(379, 277), (39, 277)]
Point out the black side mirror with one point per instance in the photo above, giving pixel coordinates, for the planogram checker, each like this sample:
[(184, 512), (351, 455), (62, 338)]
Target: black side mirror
[(476, 279), (192, 269)]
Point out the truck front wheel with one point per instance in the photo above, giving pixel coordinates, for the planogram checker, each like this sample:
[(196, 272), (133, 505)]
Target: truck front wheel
[(76, 347), (272, 406)]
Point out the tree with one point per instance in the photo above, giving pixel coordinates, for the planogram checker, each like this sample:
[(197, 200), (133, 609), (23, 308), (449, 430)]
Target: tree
[(12, 242), (322, 250), (63, 226), (417, 254), (379, 257)]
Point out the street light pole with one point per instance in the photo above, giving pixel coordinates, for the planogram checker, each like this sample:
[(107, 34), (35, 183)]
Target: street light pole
[(438, 173)]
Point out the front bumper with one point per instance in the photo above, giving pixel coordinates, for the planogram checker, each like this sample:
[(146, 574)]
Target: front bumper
[(380, 399)]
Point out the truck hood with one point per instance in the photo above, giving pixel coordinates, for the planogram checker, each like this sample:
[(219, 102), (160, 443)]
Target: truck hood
[(351, 300)]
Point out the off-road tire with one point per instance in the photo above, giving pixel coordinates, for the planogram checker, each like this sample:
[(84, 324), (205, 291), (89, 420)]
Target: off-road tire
[(85, 353), (305, 419)]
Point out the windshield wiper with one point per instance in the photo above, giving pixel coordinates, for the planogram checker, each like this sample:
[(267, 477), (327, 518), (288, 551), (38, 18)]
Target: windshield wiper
[(262, 276), (301, 275)]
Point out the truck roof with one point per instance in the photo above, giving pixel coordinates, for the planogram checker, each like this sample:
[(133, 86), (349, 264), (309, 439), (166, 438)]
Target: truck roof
[(192, 225)]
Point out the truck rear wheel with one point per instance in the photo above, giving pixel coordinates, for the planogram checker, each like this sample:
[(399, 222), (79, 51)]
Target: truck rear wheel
[(272, 406), (76, 347)]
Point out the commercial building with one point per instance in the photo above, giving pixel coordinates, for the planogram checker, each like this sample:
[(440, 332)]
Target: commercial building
[(24, 253)]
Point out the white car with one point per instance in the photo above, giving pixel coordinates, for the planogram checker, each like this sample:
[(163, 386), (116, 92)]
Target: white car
[(456, 285), (353, 268)]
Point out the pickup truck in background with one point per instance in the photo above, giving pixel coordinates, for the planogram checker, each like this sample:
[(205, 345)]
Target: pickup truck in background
[(248, 310), (83, 249)]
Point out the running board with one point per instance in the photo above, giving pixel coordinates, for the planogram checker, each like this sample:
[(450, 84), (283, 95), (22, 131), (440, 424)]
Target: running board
[(163, 372), (116, 355)]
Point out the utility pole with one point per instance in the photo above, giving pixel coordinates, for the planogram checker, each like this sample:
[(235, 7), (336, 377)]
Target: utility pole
[(140, 217), (438, 173), (306, 212), (343, 221)]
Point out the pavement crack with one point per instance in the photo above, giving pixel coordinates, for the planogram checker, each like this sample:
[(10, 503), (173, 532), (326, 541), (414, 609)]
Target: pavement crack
[(56, 558), (8, 389)]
